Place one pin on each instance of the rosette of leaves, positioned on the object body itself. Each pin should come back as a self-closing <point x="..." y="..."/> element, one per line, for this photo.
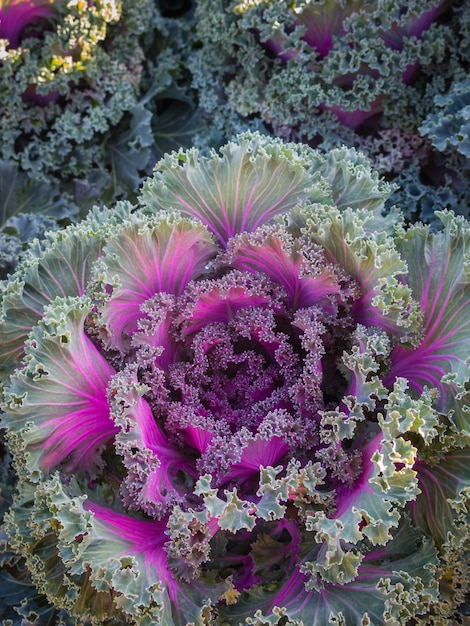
<point x="328" y="72"/>
<point x="243" y="400"/>
<point x="86" y="90"/>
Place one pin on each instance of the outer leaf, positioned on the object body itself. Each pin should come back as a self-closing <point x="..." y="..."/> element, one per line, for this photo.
<point x="405" y="414"/>
<point x="413" y="25"/>
<point x="101" y="564"/>
<point x="62" y="269"/>
<point x="373" y="504"/>
<point x="146" y="256"/>
<point x="129" y="151"/>
<point x="78" y="561"/>
<point x="128" y="556"/>
<point x="255" y="179"/>
<point x="19" y="194"/>
<point x="176" y="126"/>
<point x="440" y="485"/>
<point x="57" y="412"/>
<point x="373" y="260"/>
<point x="439" y="277"/>
<point x="387" y="579"/>
<point x="369" y="508"/>
<point x="353" y="183"/>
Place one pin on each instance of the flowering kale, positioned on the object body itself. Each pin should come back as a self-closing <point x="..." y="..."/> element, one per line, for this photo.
<point x="329" y="72"/>
<point x="289" y="62"/>
<point x="91" y="96"/>
<point x="244" y="400"/>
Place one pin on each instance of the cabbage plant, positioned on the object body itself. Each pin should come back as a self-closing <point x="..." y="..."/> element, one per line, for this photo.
<point x="373" y="75"/>
<point x="243" y="400"/>
<point x="92" y="93"/>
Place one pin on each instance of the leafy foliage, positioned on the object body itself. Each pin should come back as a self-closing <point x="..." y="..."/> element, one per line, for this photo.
<point x="324" y="72"/>
<point x="241" y="401"/>
<point x="86" y="94"/>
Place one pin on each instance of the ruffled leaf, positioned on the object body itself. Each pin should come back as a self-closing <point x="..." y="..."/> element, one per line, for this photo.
<point x="439" y="277"/>
<point x="373" y="260"/>
<point x="146" y="256"/>
<point x="57" y="411"/>
<point x="387" y="581"/>
<point x="155" y="466"/>
<point x="100" y="563"/>
<point x="211" y="301"/>
<point x="154" y="338"/>
<point x="129" y="557"/>
<point x="287" y="262"/>
<point x="405" y="414"/>
<point x="254" y="180"/>
<point x="440" y="485"/>
<point x="62" y="269"/>
<point x="413" y="24"/>
<point x="371" y="507"/>
<point x="257" y="452"/>
<point x="352" y="183"/>
<point x="323" y="23"/>
<point x="448" y="125"/>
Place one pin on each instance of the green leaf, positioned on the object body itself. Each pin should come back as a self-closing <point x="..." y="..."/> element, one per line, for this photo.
<point x="441" y="485"/>
<point x="56" y="408"/>
<point x="60" y="268"/>
<point x="253" y="181"/>
<point x="176" y="127"/>
<point x="129" y="151"/>
<point x="21" y="194"/>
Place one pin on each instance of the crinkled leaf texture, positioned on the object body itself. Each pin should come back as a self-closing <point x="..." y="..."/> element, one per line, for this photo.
<point x="449" y="125"/>
<point x="59" y="267"/>
<point x="252" y="182"/>
<point x="242" y="401"/>
<point x="309" y="69"/>
<point x="148" y="256"/>
<point x="64" y="385"/>
<point x="438" y="275"/>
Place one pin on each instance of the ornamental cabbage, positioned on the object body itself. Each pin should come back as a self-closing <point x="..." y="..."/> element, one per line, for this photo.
<point x="299" y="65"/>
<point x="91" y="96"/>
<point x="243" y="400"/>
<point x="375" y="76"/>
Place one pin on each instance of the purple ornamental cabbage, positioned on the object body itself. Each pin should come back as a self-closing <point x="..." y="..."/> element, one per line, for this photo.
<point x="323" y="26"/>
<point x="244" y="400"/>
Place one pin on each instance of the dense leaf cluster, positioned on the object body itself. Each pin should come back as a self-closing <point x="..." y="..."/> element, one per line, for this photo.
<point x="242" y="400"/>
<point x="94" y="93"/>
<point x="235" y="385"/>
